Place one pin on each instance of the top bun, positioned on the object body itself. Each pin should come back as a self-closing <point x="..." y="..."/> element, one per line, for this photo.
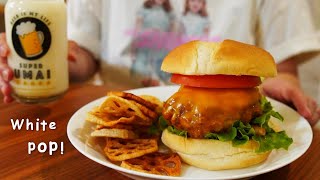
<point x="228" y="57"/>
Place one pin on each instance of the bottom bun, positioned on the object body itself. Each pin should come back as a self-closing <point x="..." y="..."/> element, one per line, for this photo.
<point x="213" y="154"/>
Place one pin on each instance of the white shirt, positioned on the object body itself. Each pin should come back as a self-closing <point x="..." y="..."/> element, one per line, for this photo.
<point x="309" y="71"/>
<point x="284" y="28"/>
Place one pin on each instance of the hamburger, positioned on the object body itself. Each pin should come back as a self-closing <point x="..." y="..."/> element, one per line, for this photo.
<point x="218" y="119"/>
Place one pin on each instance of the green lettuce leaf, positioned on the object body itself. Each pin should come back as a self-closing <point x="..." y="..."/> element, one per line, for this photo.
<point x="177" y="131"/>
<point x="276" y="115"/>
<point x="240" y="140"/>
<point x="268" y="111"/>
<point x="244" y="132"/>
<point x="275" y="140"/>
<point x="261" y="119"/>
<point x="265" y="105"/>
<point x="163" y="124"/>
<point x="240" y="132"/>
<point x="225" y="136"/>
<point x="158" y="127"/>
<point x="272" y="139"/>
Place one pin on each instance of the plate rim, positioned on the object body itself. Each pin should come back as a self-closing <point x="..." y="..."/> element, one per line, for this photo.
<point x="147" y="175"/>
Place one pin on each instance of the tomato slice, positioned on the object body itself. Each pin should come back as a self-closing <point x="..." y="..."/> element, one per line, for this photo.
<point x="216" y="81"/>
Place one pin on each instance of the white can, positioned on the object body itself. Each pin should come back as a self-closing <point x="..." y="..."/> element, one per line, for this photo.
<point x="36" y="32"/>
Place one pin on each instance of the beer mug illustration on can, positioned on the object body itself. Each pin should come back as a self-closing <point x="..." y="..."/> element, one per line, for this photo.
<point x="30" y="39"/>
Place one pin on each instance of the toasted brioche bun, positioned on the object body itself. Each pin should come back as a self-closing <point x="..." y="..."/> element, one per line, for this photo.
<point x="213" y="154"/>
<point x="228" y="58"/>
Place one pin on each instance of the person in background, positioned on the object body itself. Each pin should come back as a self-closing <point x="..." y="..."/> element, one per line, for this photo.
<point x="284" y="28"/>
<point x="153" y="20"/>
<point x="309" y="76"/>
<point x="195" y="23"/>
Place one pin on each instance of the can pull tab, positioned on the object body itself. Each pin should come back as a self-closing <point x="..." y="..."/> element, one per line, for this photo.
<point x="41" y="36"/>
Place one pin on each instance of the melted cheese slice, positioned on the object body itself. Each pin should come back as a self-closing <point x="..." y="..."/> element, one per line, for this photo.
<point x="227" y="99"/>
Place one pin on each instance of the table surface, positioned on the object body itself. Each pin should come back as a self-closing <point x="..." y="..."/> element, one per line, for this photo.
<point x="16" y="163"/>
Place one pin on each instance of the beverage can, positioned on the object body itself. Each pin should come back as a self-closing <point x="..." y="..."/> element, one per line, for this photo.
<point x="36" y="33"/>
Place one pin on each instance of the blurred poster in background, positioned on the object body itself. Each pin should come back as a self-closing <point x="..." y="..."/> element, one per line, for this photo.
<point x="155" y="28"/>
<point x="136" y="35"/>
<point x="131" y="38"/>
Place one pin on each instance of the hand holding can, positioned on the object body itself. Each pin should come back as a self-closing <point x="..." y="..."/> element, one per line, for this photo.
<point x="6" y="73"/>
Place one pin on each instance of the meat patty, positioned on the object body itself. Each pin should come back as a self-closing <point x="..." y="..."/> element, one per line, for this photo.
<point x="200" y="111"/>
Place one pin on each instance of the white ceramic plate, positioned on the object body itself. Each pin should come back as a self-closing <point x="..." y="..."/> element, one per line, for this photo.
<point x="295" y="125"/>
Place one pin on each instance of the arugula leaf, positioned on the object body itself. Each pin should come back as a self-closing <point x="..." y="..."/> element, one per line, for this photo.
<point x="275" y="140"/>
